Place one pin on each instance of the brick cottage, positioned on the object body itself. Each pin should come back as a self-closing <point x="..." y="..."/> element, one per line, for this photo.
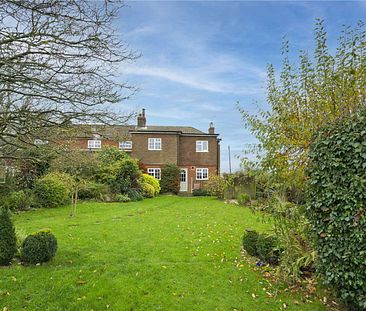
<point x="196" y="153"/>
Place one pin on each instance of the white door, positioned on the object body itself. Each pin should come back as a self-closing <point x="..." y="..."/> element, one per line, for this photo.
<point x="183" y="179"/>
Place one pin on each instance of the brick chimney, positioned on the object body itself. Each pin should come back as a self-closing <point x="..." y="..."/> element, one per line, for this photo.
<point x="211" y="129"/>
<point x="141" y="119"/>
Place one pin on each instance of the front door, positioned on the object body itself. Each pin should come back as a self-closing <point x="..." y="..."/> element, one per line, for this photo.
<point x="183" y="179"/>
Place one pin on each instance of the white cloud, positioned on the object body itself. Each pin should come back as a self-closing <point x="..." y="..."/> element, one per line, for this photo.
<point x="194" y="79"/>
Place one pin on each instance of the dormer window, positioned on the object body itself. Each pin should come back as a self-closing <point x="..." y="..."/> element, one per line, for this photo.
<point x="154" y="143"/>
<point x="94" y="144"/>
<point x="201" y="146"/>
<point x="125" y="144"/>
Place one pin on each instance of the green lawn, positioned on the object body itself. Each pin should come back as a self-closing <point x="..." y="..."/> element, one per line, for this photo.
<point x="168" y="253"/>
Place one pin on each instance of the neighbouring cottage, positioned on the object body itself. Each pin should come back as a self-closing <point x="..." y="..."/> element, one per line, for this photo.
<point x="196" y="153"/>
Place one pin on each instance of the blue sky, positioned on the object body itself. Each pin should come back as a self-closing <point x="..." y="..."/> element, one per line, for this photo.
<point x="201" y="57"/>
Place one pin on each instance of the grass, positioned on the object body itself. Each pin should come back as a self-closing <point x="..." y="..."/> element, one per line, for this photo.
<point x="167" y="253"/>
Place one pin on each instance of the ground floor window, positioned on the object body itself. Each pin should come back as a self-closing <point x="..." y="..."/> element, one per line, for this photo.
<point x="94" y="144"/>
<point x="202" y="173"/>
<point x="154" y="172"/>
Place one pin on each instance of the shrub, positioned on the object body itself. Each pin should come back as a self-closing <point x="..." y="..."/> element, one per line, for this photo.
<point x="8" y="242"/>
<point x="169" y="182"/>
<point x="336" y="207"/>
<point x="134" y="195"/>
<point x="250" y="239"/>
<point x="267" y="249"/>
<point x="34" y="162"/>
<point x="19" y="200"/>
<point x="216" y="186"/>
<point x="202" y="192"/>
<point x="262" y="246"/>
<point x="292" y="231"/>
<point x="39" y="247"/>
<point x="110" y="155"/>
<point x="20" y="237"/>
<point x="151" y="181"/>
<point x="243" y="199"/>
<point x="93" y="190"/>
<point x="122" y="198"/>
<point x="52" y="189"/>
<point x="128" y="177"/>
<point x="147" y="190"/>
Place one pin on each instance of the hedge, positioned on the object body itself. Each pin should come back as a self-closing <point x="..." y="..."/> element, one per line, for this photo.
<point x="336" y="207"/>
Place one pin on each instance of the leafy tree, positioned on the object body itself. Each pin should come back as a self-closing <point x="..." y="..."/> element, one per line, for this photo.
<point x="170" y="179"/>
<point x="81" y="167"/>
<point x="57" y="65"/>
<point x="319" y="89"/>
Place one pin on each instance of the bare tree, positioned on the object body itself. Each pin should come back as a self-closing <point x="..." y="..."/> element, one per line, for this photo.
<point x="58" y="65"/>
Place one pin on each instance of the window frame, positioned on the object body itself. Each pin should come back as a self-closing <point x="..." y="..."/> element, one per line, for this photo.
<point x="92" y="145"/>
<point x="40" y="142"/>
<point x="201" y="170"/>
<point x="200" y="144"/>
<point x="152" y="143"/>
<point x="121" y="147"/>
<point x="152" y="172"/>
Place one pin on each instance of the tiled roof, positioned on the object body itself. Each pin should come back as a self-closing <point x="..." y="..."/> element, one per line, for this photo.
<point x="183" y="129"/>
<point x="122" y="131"/>
<point x="105" y="131"/>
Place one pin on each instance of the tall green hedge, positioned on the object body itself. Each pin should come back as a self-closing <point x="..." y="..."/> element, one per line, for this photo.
<point x="337" y="207"/>
<point x="8" y="242"/>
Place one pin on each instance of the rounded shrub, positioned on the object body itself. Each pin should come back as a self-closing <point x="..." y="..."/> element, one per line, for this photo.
<point x="39" y="247"/>
<point x="336" y="207"/>
<point x="8" y="241"/>
<point x="52" y="190"/>
<point x="147" y="179"/>
<point x="147" y="190"/>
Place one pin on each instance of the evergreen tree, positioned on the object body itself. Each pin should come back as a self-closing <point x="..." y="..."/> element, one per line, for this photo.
<point x="8" y="244"/>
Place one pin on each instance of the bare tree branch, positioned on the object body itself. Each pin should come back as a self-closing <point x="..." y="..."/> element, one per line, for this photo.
<point x="58" y="65"/>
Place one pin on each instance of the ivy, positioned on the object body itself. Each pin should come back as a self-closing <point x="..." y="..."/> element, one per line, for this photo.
<point x="337" y="207"/>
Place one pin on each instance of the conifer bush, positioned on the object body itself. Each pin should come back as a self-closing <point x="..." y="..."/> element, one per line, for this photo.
<point x="336" y="207"/>
<point x="8" y="241"/>
<point x="39" y="247"/>
<point x="169" y="182"/>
